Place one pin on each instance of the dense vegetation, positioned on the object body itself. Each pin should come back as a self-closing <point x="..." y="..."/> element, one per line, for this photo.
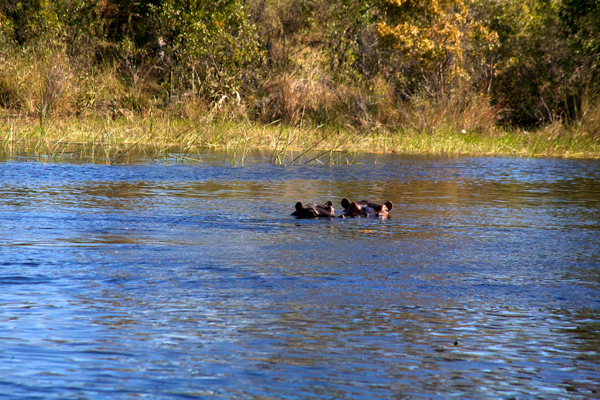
<point x="374" y="66"/>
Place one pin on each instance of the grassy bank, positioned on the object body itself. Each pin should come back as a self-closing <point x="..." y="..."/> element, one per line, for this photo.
<point x="108" y="77"/>
<point x="110" y="139"/>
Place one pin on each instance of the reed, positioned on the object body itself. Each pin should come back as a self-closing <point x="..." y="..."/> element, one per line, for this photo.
<point x="110" y="140"/>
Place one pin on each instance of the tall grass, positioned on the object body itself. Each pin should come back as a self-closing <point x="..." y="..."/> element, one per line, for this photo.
<point x="112" y="141"/>
<point x="52" y="108"/>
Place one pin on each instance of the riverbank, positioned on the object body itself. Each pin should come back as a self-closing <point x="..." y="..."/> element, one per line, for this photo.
<point x="96" y="136"/>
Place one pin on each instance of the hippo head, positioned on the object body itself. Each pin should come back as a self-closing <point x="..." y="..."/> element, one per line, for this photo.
<point x="366" y="208"/>
<point x="312" y="210"/>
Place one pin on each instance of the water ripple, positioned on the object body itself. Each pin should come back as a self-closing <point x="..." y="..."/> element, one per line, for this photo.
<point x="178" y="281"/>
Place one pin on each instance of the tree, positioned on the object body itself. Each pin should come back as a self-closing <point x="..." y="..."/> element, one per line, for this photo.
<point x="426" y="43"/>
<point x="211" y="48"/>
<point x="581" y="23"/>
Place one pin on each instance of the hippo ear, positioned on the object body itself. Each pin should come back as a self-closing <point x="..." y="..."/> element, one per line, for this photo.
<point x="345" y="203"/>
<point x="329" y="204"/>
<point x="389" y="205"/>
<point x="299" y="206"/>
<point x="354" y="206"/>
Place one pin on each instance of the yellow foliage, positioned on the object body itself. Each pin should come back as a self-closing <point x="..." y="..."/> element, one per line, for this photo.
<point x="433" y="34"/>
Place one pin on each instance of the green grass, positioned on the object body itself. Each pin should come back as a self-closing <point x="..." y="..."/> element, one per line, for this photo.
<point x="108" y="140"/>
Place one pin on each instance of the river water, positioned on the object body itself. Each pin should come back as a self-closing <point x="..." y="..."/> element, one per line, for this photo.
<point x="167" y="280"/>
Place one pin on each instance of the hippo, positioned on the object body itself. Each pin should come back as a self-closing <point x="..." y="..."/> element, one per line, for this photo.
<point x="312" y="210"/>
<point x="366" y="208"/>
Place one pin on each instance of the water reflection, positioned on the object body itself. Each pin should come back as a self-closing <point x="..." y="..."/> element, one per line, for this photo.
<point x="180" y="280"/>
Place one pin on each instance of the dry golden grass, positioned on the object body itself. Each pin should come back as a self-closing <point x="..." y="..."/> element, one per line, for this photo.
<point x="49" y="104"/>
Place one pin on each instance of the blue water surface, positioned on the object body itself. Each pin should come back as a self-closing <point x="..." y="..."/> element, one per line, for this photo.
<point x="169" y="280"/>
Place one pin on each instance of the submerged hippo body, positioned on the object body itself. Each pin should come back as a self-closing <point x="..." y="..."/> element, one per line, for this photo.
<point x="312" y="210"/>
<point x="366" y="208"/>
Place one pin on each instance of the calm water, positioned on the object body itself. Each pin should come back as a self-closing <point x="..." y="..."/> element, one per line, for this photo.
<point x="163" y="280"/>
